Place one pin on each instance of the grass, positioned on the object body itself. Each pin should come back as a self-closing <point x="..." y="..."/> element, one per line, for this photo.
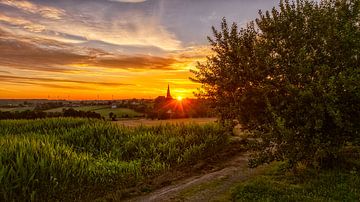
<point x="69" y="159"/>
<point x="14" y="109"/>
<point x="103" y="110"/>
<point x="310" y="185"/>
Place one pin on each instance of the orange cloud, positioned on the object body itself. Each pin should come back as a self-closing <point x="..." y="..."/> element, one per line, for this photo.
<point x="49" y="55"/>
<point x="26" y="24"/>
<point x="44" y="11"/>
<point x="20" y="78"/>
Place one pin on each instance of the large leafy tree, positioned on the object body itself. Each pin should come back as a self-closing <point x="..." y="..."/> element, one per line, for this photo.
<point x="292" y="77"/>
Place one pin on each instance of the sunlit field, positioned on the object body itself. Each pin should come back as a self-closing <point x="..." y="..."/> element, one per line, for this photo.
<point x="148" y="122"/>
<point x="18" y="109"/>
<point x="103" y="111"/>
<point x="67" y="159"/>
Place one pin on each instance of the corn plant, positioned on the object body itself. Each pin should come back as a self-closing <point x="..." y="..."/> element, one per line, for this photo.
<point x="66" y="158"/>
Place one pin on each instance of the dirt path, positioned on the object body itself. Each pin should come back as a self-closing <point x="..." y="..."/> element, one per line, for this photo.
<point x="212" y="186"/>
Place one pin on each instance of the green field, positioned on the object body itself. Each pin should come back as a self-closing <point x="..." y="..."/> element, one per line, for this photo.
<point x="149" y="122"/>
<point x="14" y="109"/>
<point x="81" y="159"/>
<point x="104" y="111"/>
<point x="279" y="184"/>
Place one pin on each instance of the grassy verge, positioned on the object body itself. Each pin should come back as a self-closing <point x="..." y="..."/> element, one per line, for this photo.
<point x="68" y="159"/>
<point x="339" y="184"/>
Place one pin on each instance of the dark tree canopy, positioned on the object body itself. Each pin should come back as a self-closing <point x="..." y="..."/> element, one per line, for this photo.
<point x="292" y="77"/>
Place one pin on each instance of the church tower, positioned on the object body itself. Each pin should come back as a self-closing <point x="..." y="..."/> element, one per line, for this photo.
<point x="168" y="95"/>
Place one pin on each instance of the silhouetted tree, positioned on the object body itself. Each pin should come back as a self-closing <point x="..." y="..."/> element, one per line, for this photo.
<point x="111" y="114"/>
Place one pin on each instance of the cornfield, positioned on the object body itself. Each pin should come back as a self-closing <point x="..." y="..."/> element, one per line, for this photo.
<point x="66" y="158"/>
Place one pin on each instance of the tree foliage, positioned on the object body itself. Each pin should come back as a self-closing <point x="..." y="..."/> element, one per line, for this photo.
<point x="292" y="77"/>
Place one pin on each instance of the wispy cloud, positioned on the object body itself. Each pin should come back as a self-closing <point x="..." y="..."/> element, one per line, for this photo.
<point x="193" y="53"/>
<point x="58" y="83"/>
<point x="49" y="55"/>
<point x="4" y="72"/>
<point x="21" y="78"/>
<point x="92" y="22"/>
<point x="27" y="6"/>
<point x="124" y="28"/>
<point x="19" y="22"/>
<point x="47" y="85"/>
<point x="135" y="62"/>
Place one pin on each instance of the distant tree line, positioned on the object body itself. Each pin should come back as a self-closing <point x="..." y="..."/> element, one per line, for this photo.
<point x="34" y="114"/>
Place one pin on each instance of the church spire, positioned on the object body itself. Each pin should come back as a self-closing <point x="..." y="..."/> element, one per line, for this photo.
<point x="168" y="95"/>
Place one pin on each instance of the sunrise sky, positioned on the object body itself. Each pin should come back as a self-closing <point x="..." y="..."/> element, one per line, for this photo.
<point x="80" y="49"/>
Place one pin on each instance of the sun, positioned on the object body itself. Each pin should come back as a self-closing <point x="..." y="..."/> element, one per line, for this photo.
<point x="179" y="98"/>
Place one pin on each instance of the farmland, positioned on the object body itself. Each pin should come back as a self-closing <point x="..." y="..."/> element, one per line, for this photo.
<point x="84" y="158"/>
<point x="104" y="111"/>
<point x="13" y="109"/>
<point x="148" y="122"/>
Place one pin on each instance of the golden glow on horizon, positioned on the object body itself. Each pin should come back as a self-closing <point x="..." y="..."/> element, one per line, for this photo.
<point x="179" y="98"/>
<point x="86" y="83"/>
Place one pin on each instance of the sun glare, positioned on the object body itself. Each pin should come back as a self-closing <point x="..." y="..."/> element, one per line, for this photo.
<point x="179" y="98"/>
